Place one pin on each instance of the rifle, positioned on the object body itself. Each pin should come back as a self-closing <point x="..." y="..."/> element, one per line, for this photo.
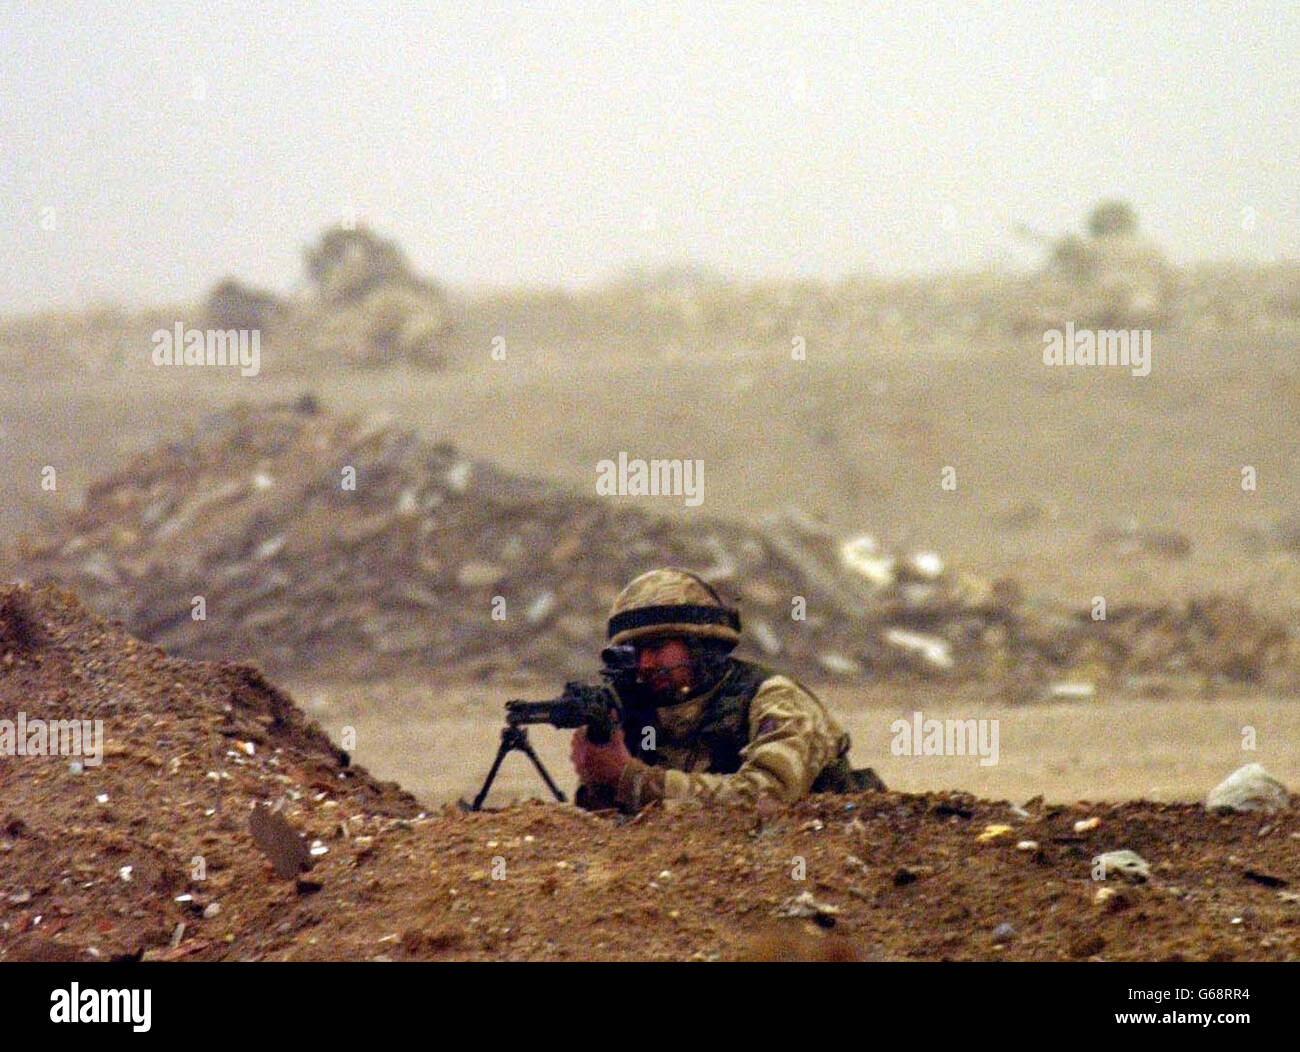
<point x="594" y="706"/>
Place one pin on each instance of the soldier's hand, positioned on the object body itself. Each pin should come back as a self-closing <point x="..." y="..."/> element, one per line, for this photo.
<point x="598" y="764"/>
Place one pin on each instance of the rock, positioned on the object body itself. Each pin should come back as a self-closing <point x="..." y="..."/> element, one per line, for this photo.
<point x="279" y="841"/>
<point x="862" y="556"/>
<point x="1249" y="788"/>
<point x="458" y="476"/>
<point x="1128" y="864"/>
<point x="804" y="905"/>
<point x="540" y="608"/>
<point x="1004" y="932"/>
<point x="1085" y="825"/>
<point x="1111" y="899"/>
<point x="922" y="566"/>
<point x="1072" y="691"/>
<point x="479" y="575"/>
<point x="929" y="651"/>
<point x="838" y="664"/>
<point x="993" y="832"/>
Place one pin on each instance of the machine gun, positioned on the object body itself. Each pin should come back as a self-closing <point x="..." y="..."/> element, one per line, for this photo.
<point x="594" y="706"/>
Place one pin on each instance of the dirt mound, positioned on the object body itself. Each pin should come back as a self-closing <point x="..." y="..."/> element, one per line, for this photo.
<point x="866" y="877"/>
<point x="150" y="853"/>
<point x="126" y="778"/>
<point x="334" y="545"/>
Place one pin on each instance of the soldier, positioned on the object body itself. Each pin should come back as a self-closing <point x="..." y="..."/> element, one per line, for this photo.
<point x="699" y="723"/>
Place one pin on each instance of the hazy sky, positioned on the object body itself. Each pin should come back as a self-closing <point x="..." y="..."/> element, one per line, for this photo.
<point x="557" y="143"/>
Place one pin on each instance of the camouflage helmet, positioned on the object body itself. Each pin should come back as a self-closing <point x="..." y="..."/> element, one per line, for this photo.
<point x="671" y="602"/>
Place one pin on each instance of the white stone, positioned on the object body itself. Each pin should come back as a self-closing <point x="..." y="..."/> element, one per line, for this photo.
<point x="1249" y="788"/>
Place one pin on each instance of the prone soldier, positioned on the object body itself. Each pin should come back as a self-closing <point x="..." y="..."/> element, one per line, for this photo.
<point x="699" y="723"/>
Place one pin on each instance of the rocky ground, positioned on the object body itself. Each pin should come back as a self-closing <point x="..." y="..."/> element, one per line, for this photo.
<point x="151" y="853"/>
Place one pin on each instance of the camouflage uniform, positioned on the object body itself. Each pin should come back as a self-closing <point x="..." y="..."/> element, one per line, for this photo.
<point x="754" y="733"/>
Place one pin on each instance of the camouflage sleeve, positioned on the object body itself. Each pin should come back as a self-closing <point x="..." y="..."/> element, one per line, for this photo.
<point x="791" y="738"/>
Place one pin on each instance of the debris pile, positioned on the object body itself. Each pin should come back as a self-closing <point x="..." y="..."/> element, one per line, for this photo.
<point x="341" y="546"/>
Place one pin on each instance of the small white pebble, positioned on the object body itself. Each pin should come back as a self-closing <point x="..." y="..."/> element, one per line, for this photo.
<point x="102" y="798"/>
<point x="1085" y="824"/>
<point x="125" y="873"/>
<point x="317" y="848"/>
<point x="211" y="910"/>
<point x="1027" y="845"/>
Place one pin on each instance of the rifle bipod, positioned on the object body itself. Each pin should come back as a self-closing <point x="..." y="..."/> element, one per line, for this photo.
<point x="513" y="738"/>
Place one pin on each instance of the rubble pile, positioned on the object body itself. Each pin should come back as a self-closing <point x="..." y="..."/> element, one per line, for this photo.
<point x="330" y="545"/>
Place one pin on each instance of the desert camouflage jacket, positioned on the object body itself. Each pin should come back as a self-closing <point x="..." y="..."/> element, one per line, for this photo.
<point x="756" y="733"/>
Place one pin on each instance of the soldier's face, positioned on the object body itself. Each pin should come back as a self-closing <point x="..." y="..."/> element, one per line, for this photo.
<point x="664" y="665"/>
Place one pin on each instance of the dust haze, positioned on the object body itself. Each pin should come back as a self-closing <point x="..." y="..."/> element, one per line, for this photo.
<point x="558" y="148"/>
<point x="980" y="322"/>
